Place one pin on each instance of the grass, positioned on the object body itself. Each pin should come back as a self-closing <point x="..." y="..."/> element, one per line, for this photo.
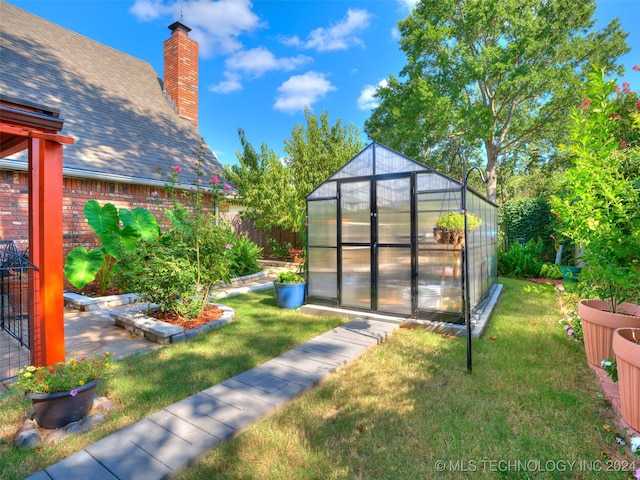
<point x="530" y="408"/>
<point x="394" y="413"/>
<point x="143" y="384"/>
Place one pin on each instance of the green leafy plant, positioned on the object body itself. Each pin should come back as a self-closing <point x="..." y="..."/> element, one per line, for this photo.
<point x="63" y="376"/>
<point x="551" y="270"/>
<point x="600" y="209"/>
<point x="289" y="277"/>
<point x="455" y="221"/>
<point x="83" y="266"/>
<point x="610" y="366"/>
<point x="522" y="260"/>
<point x="243" y="256"/>
<point x="280" y="249"/>
<point x="179" y="270"/>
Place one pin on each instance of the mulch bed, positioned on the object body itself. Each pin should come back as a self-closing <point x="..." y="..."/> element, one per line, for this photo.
<point x="209" y="314"/>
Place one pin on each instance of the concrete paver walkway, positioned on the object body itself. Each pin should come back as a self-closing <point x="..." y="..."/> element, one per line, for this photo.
<point x="171" y="439"/>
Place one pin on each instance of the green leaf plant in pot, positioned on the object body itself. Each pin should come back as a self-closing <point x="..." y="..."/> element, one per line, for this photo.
<point x="599" y="211"/>
<point x="290" y="289"/>
<point x="449" y="228"/>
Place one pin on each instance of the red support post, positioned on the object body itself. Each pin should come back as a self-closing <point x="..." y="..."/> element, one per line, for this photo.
<point x="46" y="250"/>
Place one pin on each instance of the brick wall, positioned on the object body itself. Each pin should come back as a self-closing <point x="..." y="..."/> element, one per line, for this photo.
<point x="14" y="206"/>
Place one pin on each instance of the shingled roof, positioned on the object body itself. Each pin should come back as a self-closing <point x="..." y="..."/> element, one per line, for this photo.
<point x="112" y="103"/>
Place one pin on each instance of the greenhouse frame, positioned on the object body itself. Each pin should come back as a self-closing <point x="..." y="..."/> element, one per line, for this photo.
<point x="371" y="244"/>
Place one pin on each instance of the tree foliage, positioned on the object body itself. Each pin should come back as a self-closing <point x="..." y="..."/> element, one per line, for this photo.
<point x="500" y="75"/>
<point x="273" y="190"/>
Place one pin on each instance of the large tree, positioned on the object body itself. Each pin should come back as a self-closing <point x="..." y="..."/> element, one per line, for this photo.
<point x="501" y="75"/>
<point x="273" y="190"/>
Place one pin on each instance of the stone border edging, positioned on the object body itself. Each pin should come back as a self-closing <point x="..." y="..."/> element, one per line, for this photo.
<point x="164" y="333"/>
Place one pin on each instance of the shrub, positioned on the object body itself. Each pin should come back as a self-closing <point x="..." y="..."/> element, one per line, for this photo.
<point x="599" y="209"/>
<point x="551" y="270"/>
<point x="528" y="218"/>
<point x="243" y="256"/>
<point x="522" y="260"/>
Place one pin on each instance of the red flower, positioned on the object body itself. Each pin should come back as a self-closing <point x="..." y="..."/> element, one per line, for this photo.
<point x="585" y="103"/>
<point x="623" y="144"/>
<point x="636" y="68"/>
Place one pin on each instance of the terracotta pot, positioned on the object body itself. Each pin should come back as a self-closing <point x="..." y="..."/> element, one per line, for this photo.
<point x="598" y="325"/>
<point x="627" y="351"/>
<point x="55" y="410"/>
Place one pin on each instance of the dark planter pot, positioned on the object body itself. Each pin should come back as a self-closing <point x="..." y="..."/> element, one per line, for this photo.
<point x="55" y="410"/>
<point x="290" y="295"/>
<point x="570" y="274"/>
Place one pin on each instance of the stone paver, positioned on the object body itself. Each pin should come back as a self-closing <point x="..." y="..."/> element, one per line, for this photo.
<point x="169" y="440"/>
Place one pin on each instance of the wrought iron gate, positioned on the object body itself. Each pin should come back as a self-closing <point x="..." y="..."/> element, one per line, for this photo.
<point x="17" y="308"/>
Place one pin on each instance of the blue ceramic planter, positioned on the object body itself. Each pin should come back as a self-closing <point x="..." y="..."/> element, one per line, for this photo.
<point x="290" y="295"/>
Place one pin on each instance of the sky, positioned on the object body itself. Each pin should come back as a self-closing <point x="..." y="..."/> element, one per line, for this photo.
<point x="262" y="61"/>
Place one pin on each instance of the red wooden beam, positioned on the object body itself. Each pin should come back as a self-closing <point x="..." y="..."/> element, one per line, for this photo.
<point x="46" y="252"/>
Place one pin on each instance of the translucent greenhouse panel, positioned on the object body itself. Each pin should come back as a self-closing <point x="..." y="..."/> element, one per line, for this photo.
<point x="356" y="277"/>
<point x="388" y="161"/>
<point x="440" y="280"/>
<point x="360" y="166"/>
<point x="322" y="223"/>
<point x="394" y="211"/>
<point x="326" y="190"/>
<point x="394" y="279"/>
<point x="323" y="272"/>
<point x="356" y="212"/>
<point x="433" y="181"/>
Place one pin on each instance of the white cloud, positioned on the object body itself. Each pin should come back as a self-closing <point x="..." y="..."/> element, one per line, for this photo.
<point x="257" y="61"/>
<point x="215" y="25"/>
<point x="302" y="90"/>
<point x="366" y="100"/>
<point x="147" y="10"/>
<point x="231" y="84"/>
<point x="339" y="36"/>
<point x="408" y="4"/>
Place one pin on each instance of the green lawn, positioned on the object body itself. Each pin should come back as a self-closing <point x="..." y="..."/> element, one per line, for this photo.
<point x="530" y="408"/>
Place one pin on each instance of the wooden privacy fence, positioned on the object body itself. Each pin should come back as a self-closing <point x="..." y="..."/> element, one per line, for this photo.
<point x="282" y="236"/>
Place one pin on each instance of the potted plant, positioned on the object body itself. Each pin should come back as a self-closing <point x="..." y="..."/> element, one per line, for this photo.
<point x="449" y="228"/>
<point x="63" y="393"/>
<point x="626" y="347"/>
<point x="290" y="289"/>
<point x="599" y="212"/>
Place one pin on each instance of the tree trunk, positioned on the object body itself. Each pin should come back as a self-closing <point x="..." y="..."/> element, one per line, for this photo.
<point x="492" y="171"/>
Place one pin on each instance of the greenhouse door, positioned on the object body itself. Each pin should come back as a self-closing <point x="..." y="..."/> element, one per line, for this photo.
<point x="375" y="248"/>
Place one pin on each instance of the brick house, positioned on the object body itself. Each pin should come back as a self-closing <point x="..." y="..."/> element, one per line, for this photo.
<point x="126" y="122"/>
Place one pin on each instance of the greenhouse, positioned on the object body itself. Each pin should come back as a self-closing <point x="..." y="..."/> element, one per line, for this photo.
<point x="373" y="245"/>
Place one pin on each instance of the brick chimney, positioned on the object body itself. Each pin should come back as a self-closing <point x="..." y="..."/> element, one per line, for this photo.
<point x="181" y="71"/>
